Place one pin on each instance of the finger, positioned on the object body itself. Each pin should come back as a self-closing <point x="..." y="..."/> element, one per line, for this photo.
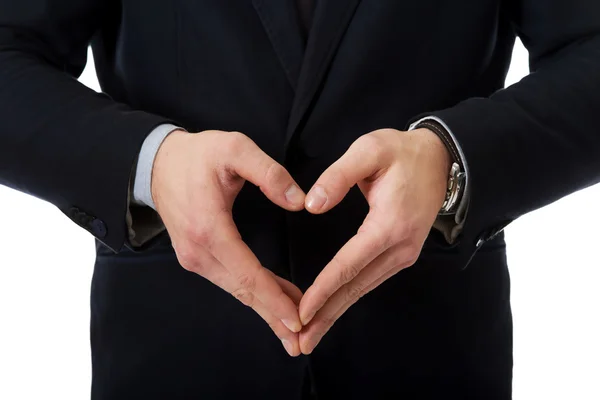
<point x="371" y="241"/>
<point x="381" y="269"/>
<point x="377" y="282"/>
<point x="288" y="288"/>
<point x="358" y="163"/>
<point x="220" y="237"/>
<point x="311" y="335"/>
<point x="344" y="297"/>
<point x="255" y="166"/>
<point x="252" y="280"/>
<point x="289" y="339"/>
<point x="204" y="264"/>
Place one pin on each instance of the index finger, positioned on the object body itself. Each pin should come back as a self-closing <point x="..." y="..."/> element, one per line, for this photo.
<point x="252" y="279"/>
<point x="255" y="166"/>
<point x="350" y="260"/>
<point x="357" y="164"/>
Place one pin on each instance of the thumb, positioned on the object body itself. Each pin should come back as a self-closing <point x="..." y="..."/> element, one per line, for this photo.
<point x="357" y="164"/>
<point x="255" y="166"/>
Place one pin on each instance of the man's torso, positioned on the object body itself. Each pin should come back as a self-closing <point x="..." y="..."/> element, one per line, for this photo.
<point x="432" y="330"/>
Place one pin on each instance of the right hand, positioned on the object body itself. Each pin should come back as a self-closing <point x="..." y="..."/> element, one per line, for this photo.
<point x="195" y="180"/>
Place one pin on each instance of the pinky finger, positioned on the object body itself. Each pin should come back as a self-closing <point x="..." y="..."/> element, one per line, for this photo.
<point x="368" y="289"/>
<point x="317" y="328"/>
<point x="288" y="338"/>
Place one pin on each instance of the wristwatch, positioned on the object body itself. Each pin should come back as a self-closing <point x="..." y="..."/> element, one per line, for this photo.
<point x="454" y="190"/>
<point x="456" y="177"/>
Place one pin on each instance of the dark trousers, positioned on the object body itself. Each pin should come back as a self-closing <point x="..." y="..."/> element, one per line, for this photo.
<point x="160" y="332"/>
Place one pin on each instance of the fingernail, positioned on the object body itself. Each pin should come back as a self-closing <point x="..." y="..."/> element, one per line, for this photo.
<point x="316" y="198"/>
<point x="306" y="320"/>
<point x="288" y="347"/>
<point x="294" y="195"/>
<point x="293" y="326"/>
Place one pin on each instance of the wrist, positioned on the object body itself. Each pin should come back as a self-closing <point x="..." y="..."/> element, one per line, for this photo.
<point x="165" y="153"/>
<point x="456" y="176"/>
<point x="440" y="154"/>
<point x="435" y="164"/>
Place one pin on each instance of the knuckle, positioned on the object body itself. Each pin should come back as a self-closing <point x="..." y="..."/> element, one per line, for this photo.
<point x="397" y="259"/>
<point x="327" y="322"/>
<point x="200" y="234"/>
<point x="413" y="252"/>
<point x="372" y="143"/>
<point x="247" y="282"/>
<point x="407" y="256"/>
<point x="201" y="231"/>
<point x="354" y="293"/>
<point x="186" y="258"/>
<point x="235" y="142"/>
<point x="381" y="234"/>
<point x="382" y="239"/>
<point x="231" y="146"/>
<point x="275" y="173"/>
<point x="348" y="271"/>
<point x="339" y="180"/>
<point x="244" y="296"/>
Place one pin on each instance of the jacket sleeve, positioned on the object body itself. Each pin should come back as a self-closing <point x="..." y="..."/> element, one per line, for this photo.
<point x="59" y="140"/>
<point x="538" y="140"/>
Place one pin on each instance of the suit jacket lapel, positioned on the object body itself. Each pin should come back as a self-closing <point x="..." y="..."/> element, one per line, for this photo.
<point x="280" y="19"/>
<point x="331" y="19"/>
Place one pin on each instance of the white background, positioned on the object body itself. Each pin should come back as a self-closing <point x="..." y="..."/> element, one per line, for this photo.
<point x="46" y="267"/>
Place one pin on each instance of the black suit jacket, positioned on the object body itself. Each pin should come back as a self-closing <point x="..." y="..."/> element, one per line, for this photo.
<point x="242" y="65"/>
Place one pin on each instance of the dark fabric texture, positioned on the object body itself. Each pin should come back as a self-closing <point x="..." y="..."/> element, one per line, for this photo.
<point x="441" y="329"/>
<point x="305" y="12"/>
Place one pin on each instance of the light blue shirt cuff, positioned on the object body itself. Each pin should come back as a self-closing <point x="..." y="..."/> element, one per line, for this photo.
<point x="142" y="187"/>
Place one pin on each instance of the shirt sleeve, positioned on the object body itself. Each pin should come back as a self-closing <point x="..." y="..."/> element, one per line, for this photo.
<point x="143" y="222"/>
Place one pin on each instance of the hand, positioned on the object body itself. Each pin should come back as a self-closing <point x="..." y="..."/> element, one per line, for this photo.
<point x="403" y="176"/>
<point x="195" y="180"/>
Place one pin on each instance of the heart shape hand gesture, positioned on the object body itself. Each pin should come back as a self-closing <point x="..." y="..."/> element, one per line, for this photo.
<point x="197" y="177"/>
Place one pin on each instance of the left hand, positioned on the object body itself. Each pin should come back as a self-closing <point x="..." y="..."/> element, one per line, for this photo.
<point x="403" y="176"/>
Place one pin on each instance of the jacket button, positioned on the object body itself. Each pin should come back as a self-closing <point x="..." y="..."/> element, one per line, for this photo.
<point x="98" y="228"/>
